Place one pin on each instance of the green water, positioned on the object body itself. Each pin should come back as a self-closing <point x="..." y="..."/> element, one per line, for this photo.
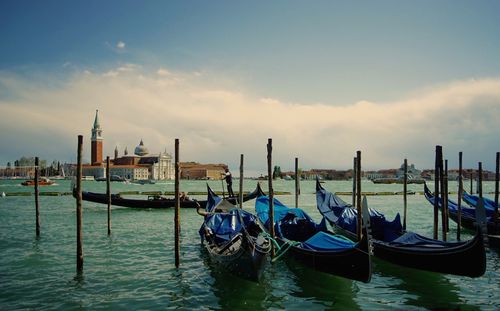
<point x="134" y="267"/>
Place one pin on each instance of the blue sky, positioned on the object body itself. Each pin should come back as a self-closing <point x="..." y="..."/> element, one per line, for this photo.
<point x="333" y="54"/>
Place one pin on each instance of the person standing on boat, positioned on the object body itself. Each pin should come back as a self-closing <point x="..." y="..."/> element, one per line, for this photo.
<point x="229" y="181"/>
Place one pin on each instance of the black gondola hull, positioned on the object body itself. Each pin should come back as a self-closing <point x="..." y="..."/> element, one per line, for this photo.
<point x="154" y="203"/>
<point x="247" y="262"/>
<point x="354" y="264"/>
<point x="448" y="260"/>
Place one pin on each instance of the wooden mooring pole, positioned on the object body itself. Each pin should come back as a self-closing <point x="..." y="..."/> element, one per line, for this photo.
<point x="438" y="156"/>
<point x="271" y="192"/>
<point x="297" y="181"/>
<point x="79" y="220"/>
<point x="108" y="192"/>
<point x="495" y="215"/>
<point x="460" y="193"/>
<point x="177" y="223"/>
<point x="240" y="195"/>
<point x="446" y="194"/>
<point x="471" y="182"/>
<point x="354" y="177"/>
<point x="37" y="194"/>
<point x="405" y="190"/>
<point x="480" y="180"/>
<point x="358" y="194"/>
<point x="443" y="199"/>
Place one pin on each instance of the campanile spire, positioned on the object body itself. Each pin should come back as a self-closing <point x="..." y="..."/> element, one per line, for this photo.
<point x="96" y="141"/>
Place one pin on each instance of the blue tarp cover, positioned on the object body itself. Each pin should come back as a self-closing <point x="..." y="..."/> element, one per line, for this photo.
<point x="342" y="215"/>
<point x="414" y="239"/>
<point x="489" y="205"/>
<point x="323" y="241"/>
<point x="280" y="210"/>
<point x="453" y="207"/>
<point x="226" y="225"/>
<point x="296" y="225"/>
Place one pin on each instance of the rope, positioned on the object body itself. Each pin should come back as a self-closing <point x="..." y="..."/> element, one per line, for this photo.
<point x="281" y="250"/>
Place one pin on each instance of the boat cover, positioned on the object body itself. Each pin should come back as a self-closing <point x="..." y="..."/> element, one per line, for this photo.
<point x="226" y="224"/>
<point x="489" y="205"/>
<point x="453" y="207"/>
<point x="296" y="225"/>
<point x="414" y="239"/>
<point x="337" y="211"/>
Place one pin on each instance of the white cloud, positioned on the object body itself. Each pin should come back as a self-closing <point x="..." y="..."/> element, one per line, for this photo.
<point x="120" y="45"/>
<point x="218" y="124"/>
<point x="162" y="72"/>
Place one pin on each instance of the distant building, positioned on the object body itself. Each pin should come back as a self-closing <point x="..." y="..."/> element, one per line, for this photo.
<point x="194" y="170"/>
<point x="96" y="142"/>
<point x="413" y="173"/>
<point x="139" y="166"/>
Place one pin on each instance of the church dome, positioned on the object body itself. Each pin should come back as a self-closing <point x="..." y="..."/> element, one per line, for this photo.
<point x="141" y="150"/>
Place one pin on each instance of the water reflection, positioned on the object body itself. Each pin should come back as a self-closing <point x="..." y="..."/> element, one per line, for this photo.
<point x="417" y="288"/>
<point x="235" y="293"/>
<point x="331" y="292"/>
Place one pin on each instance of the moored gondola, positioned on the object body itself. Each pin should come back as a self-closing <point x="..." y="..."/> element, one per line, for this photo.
<point x="468" y="215"/>
<point x="157" y="201"/>
<point x="407" y="249"/>
<point x="234" y="238"/>
<point x="311" y="244"/>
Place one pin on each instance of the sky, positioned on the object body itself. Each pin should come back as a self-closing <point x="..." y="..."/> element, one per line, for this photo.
<point x="323" y="79"/>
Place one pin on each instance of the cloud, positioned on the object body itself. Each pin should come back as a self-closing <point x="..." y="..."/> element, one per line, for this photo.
<point x="162" y="72"/>
<point x="217" y="124"/>
<point x="120" y="45"/>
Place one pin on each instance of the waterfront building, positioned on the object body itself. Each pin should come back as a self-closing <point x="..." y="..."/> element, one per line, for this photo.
<point x="140" y="166"/>
<point x="194" y="170"/>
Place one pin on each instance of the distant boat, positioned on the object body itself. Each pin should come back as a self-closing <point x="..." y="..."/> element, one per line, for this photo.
<point x="41" y="182"/>
<point x="398" y="180"/>
<point x="144" y="181"/>
<point x="156" y="201"/>
<point x="112" y="178"/>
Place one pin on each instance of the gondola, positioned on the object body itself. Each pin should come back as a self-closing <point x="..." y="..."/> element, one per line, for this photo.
<point x="406" y="249"/>
<point x="468" y="215"/>
<point x="311" y="244"/>
<point x="489" y="205"/>
<point x="234" y="238"/>
<point x="156" y="201"/>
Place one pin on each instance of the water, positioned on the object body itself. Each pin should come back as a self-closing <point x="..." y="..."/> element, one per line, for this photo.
<point x="134" y="267"/>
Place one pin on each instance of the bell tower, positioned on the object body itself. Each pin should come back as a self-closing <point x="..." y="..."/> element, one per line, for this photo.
<point x="96" y="141"/>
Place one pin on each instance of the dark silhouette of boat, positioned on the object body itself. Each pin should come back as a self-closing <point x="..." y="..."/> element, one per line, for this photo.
<point x="157" y="201"/>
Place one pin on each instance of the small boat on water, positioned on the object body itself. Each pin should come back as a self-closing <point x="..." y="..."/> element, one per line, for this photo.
<point x="157" y="201"/>
<point x="407" y="249"/>
<point x="313" y="245"/>
<point x="144" y="181"/>
<point x="41" y="182"/>
<point x="112" y="178"/>
<point x="397" y="180"/>
<point x="233" y="237"/>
